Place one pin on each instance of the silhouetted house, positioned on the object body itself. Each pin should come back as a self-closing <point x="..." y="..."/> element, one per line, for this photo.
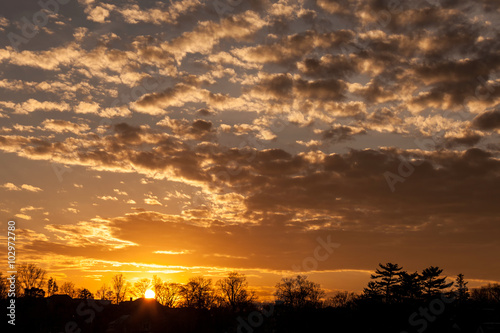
<point x="139" y="316"/>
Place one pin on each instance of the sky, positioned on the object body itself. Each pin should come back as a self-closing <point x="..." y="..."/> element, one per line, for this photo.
<point x="186" y="138"/>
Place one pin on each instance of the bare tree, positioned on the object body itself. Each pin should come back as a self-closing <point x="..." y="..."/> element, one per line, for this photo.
<point x="140" y="287"/>
<point x="104" y="293"/>
<point x="198" y="293"/>
<point x="299" y="292"/>
<point x="234" y="290"/>
<point x="489" y="293"/>
<point x="84" y="293"/>
<point x="166" y="293"/>
<point x="4" y="289"/>
<point x="341" y="299"/>
<point x="31" y="276"/>
<point x="120" y="288"/>
<point x="68" y="288"/>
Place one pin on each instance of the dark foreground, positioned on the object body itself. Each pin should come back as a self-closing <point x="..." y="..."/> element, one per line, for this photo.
<point x="63" y="314"/>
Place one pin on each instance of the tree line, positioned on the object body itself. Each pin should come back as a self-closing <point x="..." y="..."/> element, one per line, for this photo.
<point x="390" y="284"/>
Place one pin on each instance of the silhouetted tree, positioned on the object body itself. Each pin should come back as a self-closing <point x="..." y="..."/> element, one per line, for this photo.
<point x="52" y="287"/>
<point x="68" y="288"/>
<point x="104" y="293"/>
<point x="389" y="278"/>
<point x="34" y="292"/>
<point x="409" y="286"/>
<point x="462" y="291"/>
<point x="166" y="293"/>
<point x="234" y="291"/>
<point x="120" y="288"/>
<point x="299" y="292"/>
<point x="198" y="293"/>
<point x="30" y="276"/>
<point x="373" y="291"/>
<point x="486" y="294"/>
<point x="341" y="299"/>
<point x="84" y="293"/>
<point x="4" y="288"/>
<point x="432" y="283"/>
<point x="140" y="287"/>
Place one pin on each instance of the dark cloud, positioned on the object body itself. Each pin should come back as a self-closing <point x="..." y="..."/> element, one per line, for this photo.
<point x="278" y="86"/>
<point x="341" y="133"/>
<point x="205" y="112"/>
<point x="323" y="89"/>
<point x="328" y="66"/>
<point x="468" y="139"/>
<point x="488" y="120"/>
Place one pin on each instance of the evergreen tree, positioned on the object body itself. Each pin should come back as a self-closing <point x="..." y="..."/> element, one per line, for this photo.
<point x="52" y="287"/>
<point x="462" y="291"/>
<point x="409" y="286"/>
<point x="373" y="291"/>
<point x="389" y="278"/>
<point x="432" y="283"/>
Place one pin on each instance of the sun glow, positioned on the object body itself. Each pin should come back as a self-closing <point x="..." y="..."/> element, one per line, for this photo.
<point x="149" y="294"/>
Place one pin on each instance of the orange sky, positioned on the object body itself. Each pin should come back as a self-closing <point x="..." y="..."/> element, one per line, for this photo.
<point x="184" y="139"/>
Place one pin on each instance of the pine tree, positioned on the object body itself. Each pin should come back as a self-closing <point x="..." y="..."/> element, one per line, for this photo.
<point x="462" y="291"/>
<point x="432" y="284"/>
<point x="389" y="275"/>
<point x="373" y="291"/>
<point x="52" y="287"/>
<point x="410" y="286"/>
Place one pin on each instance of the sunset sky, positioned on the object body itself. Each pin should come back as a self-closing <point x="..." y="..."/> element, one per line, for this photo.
<point x="185" y="138"/>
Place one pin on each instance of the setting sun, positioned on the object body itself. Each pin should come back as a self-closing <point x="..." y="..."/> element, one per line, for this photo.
<point x="149" y="294"/>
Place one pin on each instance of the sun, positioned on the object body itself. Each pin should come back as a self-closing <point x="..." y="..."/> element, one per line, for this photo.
<point x="149" y="294"/>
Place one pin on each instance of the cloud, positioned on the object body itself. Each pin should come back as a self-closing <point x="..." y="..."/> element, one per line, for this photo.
<point x="207" y="34"/>
<point x="99" y="13"/>
<point x="10" y="187"/>
<point x="293" y="47"/>
<point x="32" y="105"/>
<point x="23" y="216"/>
<point x="107" y="198"/>
<point x="152" y="200"/>
<point x="85" y="108"/>
<point x="63" y="126"/>
<point x="173" y="252"/>
<point x="252" y="115"/>
<point x="117" y="191"/>
<point x="488" y="120"/>
<point x="31" y="188"/>
<point x="26" y="187"/>
<point x="342" y="133"/>
<point x="132" y="13"/>
<point x="4" y="22"/>
<point x="96" y="232"/>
